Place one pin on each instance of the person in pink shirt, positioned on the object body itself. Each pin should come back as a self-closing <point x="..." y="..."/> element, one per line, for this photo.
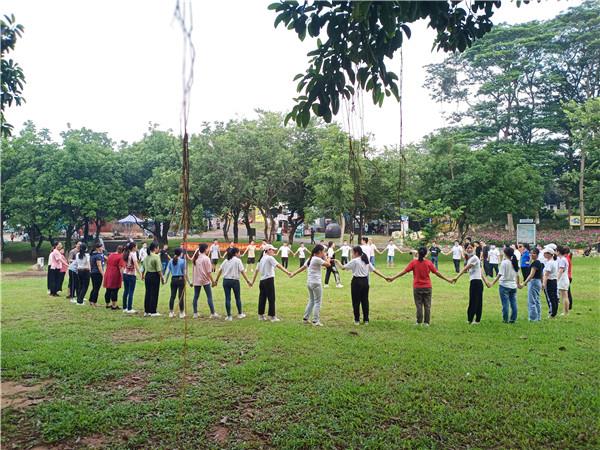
<point x="56" y="261"/>
<point x="202" y="278"/>
<point x="64" y="266"/>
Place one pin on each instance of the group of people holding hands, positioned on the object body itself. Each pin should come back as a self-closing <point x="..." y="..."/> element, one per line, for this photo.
<point x="547" y="270"/>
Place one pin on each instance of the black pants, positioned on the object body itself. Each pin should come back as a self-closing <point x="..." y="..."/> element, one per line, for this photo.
<point x="359" y="289"/>
<point x="570" y="296"/>
<point x="61" y="281"/>
<point x="152" y="282"/>
<point x="487" y="268"/>
<point x="456" y="265"/>
<point x="96" y="284"/>
<point x="493" y="268"/>
<point x="53" y="280"/>
<point x="302" y="261"/>
<point x="284" y="262"/>
<point x="525" y="271"/>
<point x="177" y="286"/>
<point x="111" y="295"/>
<point x="475" y="300"/>
<point x="344" y="260"/>
<point x="332" y="269"/>
<point x="83" y="277"/>
<point x="552" y="296"/>
<point x="73" y="284"/>
<point x="266" y="293"/>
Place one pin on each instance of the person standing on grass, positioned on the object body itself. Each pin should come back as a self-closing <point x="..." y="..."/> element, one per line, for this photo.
<point x="215" y="254"/>
<point x="152" y="277"/>
<point x="251" y="251"/>
<point x="129" y="276"/>
<point x="473" y="266"/>
<point x="202" y="278"/>
<point x="457" y="256"/>
<point x="177" y="270"/>
<point x="509" y="281"/>
<point x="366" y="248"/>
<point x="232" y="268"/>
<point x="64" y="266"/>
<point x="332" y="269"/>
<point x="435" y="252"/>
<point x="285" y="253"/>
<point x="374" y="251"/>
<point x="359" y="287"/>
<point x="143" y="252"/>
<point x="73" y="273"/>
<point x="82" y="263"/>
<point x="96" y="272"/>
<point x="421" y="268"/>
<point x="317" y="260"/>
<point x="164" y="257"/>
<point x="266" y="287"/>
<point x="312" y="235"/>
<point x="570" y="273"/>
<point x="54" y="265"/>
<point x="391" y="252"/>
<point x="113" y="278"/>
<point x="345" y="251"/>
<point x="525" y="260"/>
<point x="534" y="286"/>
<point x="301" y="252"/>
<point x="549" y="282"/>
<point x="563" y="279"/>
<point x="494" y="259"/>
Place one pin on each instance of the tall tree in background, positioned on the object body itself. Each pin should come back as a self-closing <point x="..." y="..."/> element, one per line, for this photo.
<point x="13" y="77"/>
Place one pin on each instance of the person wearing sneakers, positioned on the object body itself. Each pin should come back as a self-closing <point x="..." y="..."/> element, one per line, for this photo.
<point x="73" y="281"/>
<point x="359" y="286"/>
<point x="421" y="268"/>
<point x="391" y="252"/>
<point x="473" y="266"/>
<point x="202" y="278"/>
<point x="332" y="268"/>
<point x="251" y="251"/>
<point x="129" y="276"/>
<point x="285" y="253"/>
<point x="215" y="254"/>
<point x="97" y="262"/>
<point x="177" y="270"/>
<point x="562" y="278"/>
<point x="113" y="278"/>
<point x="345" y="250"/>
<point x="549" y="281"/>
<point x="152" y="277"/>
<point x="266" y="287"/>
<point x="314" y="264"/>
<point x="82" y="263"/>
<point x="232" y="268"/>
<point x="301" y="252"/>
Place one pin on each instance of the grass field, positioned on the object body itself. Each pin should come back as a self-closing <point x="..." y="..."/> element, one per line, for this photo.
<point x="82" y="377"/>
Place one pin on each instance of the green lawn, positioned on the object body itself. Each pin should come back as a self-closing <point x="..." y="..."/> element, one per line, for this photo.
<point x="100" y="379"/>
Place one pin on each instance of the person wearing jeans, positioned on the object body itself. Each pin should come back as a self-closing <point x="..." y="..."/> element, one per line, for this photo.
<point x="534" y="286"/>
<point x="232" y="269"/>
<point x="177" y="269"/>
<point x="202" y="278"/>
<point x="509" y="281"/>
<point x="508" y="297"/>
<point x="129" y="276"/>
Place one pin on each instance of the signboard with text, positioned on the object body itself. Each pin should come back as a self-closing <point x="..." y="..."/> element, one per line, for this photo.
<point x="589" y="221"/>
<point x="526" y="233"/>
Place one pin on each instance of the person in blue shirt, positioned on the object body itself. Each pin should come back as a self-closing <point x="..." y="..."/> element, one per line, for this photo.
<point x="177" y="270"/>
<point x="525" y="261"/>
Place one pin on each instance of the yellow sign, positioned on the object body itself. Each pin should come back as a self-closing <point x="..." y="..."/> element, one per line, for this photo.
<point x="589" y="221"/>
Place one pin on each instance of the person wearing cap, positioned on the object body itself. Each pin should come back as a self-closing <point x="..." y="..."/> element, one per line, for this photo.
<point x="549" y="282"/>
<point x="266" y="287"/>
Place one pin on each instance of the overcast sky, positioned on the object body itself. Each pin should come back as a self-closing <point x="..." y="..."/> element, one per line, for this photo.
<point x="115" y="65"/>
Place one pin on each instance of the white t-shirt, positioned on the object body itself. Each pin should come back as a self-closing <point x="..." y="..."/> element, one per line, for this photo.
<point x="562" y="263"/>
<point x="373" y="249"/>
<point x="266" y="267"/>
<point x="345" y="250"/>
<point x="285" y="251"/>
<point x="391" y="249"/>
<point x="508" y="275"/>
<point x="314" y="270"/>
<point x="367" y="250"/>
<point x="518" y="255"/>
<point x="143" y="253"/>
<point x="301" y="252"/>
<point x="475" y="270"/>
<point x="359" y="268"/>
<point x="551" y="266"/>
<point x="330" y="252"/>
<point x="214" y="251"/>
<point x="493" y="255"/>
<point x="82" y="263"/>
<point x="232" y="268"/>
<point x="457" y="252"/>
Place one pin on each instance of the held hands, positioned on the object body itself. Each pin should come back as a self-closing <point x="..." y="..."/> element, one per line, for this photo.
<point x="389" y="279"/>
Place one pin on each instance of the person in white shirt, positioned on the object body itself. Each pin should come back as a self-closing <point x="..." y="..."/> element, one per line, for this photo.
<point x="143" y="252"/>
<point x="232" y="268"/>
<point x="83" y="267"/>
<point x="251" y="251"/>
<point x="366" y="248"/>
<point x="509" y="281"/>
<point x="549" y="282"/>
<point x="301" y="253"/>
<point x="517" y="253"/>
<point x="374" y="251"/>
<point x="345" y="250"/>
<point x="266" y="287"/>
<point x="391" y="251"/>
<point x="562" y="277"/>
<point x="314" y="265"/>
<point x="493" y="259"/>
<point x="473" y="266"/>
<point x="332" y="269"/>
<point x="457" y="255"/>
<point x="215" y="254"/>
<point x="285" y="253"/>
<point x="359" y="287"/>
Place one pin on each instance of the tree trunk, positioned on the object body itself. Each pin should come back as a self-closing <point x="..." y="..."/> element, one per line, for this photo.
<point x="266" y="228"/>
<point x="361" y="224"/>
<point x="342" y="227"/>
<point x="225" y="227"/>
<point x="161" y="233"/>
<point x="510" y="223"/>
<point x="235" y="217"/>
<point x="98" y="223"/>
<point x="246" y="219"/>
<point x="39" y="244"/>
<point x="69" y="237"/>
<point x="581" y="199"/>
<point x="31" y="233"/>
<point x="292" y="232"/>
<point x="86" y="229"/>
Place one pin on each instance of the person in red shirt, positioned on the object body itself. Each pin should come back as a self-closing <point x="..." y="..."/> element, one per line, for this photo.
<point x="421" y="268"/>
<point x="113" y="278"/>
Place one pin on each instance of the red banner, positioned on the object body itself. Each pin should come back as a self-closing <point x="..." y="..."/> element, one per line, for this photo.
<point x="193" y="246"/>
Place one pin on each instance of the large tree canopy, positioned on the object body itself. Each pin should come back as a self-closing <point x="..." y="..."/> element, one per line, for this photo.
<point x="13" y="77"/>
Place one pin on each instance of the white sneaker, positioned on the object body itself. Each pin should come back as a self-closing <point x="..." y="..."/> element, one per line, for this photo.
<point x="339" y="285"/>
<point x="325" y="286"/>
<point x="131" y="311"/>
<point x="73" y="300"/>
<point x="275" y="319"/>
<point x="261" y="317"/>
<point x="182" y="315"/>
<point x="305" y="321"/>
<point x="417" y="324"/>
<point x="356" y="323"/>
<point x="365" y="323"/>
<point x="241" y="316"/>
<point x="125" y="311"/>
<point x="317" y="324"/>
<point x="228" y="318"/>
<point x="171" y="314"/>
<point x="146" y="314"/>
<point x="195" y="315"/>
<point x="80" y="304"/>
<point x="425" y="324"/>
<point x="475" y="323"/>
<point x="157" y="314"/>
<point x="214" y="316"/>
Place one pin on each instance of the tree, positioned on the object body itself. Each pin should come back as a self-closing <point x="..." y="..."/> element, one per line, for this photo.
<point x="13" y="77"/>
<point x="359" y="38"/>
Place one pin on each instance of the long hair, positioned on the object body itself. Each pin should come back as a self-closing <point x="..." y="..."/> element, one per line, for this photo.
<point x="329" y="244"/>
<point x="422" y="252"/>
<point x="82" y="250"/>
<point x="231" y="252"/>
<point x="128" y="249"/>
<point x="201" y="249"/>
<point x="316" y="249"/>
<point x="508" y="251"/>
<point x="177" y="255"/>
<point x="359" y="251"/>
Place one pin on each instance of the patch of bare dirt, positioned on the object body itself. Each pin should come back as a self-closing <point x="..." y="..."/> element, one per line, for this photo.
<point x="24" y="274"/>
<point x="133" y="385"/>
<point x="20" y="396"/>
<point x="131" y="335"/>
<point x="219" y="434"/>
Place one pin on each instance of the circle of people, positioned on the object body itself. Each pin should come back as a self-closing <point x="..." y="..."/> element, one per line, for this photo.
<point x="545" y="269"/>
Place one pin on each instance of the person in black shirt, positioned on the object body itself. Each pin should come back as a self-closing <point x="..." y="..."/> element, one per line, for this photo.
<point x="534" y="280"/>
<point x="485" y="250"/>
<point x="164" y="257"/>
<point x="435" y="252"/>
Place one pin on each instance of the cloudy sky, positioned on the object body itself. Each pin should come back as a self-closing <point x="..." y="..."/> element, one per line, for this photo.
<point x="115" y="65"/>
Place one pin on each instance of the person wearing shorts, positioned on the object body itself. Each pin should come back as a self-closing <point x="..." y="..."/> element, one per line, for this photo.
<point x="215" y="254"/>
